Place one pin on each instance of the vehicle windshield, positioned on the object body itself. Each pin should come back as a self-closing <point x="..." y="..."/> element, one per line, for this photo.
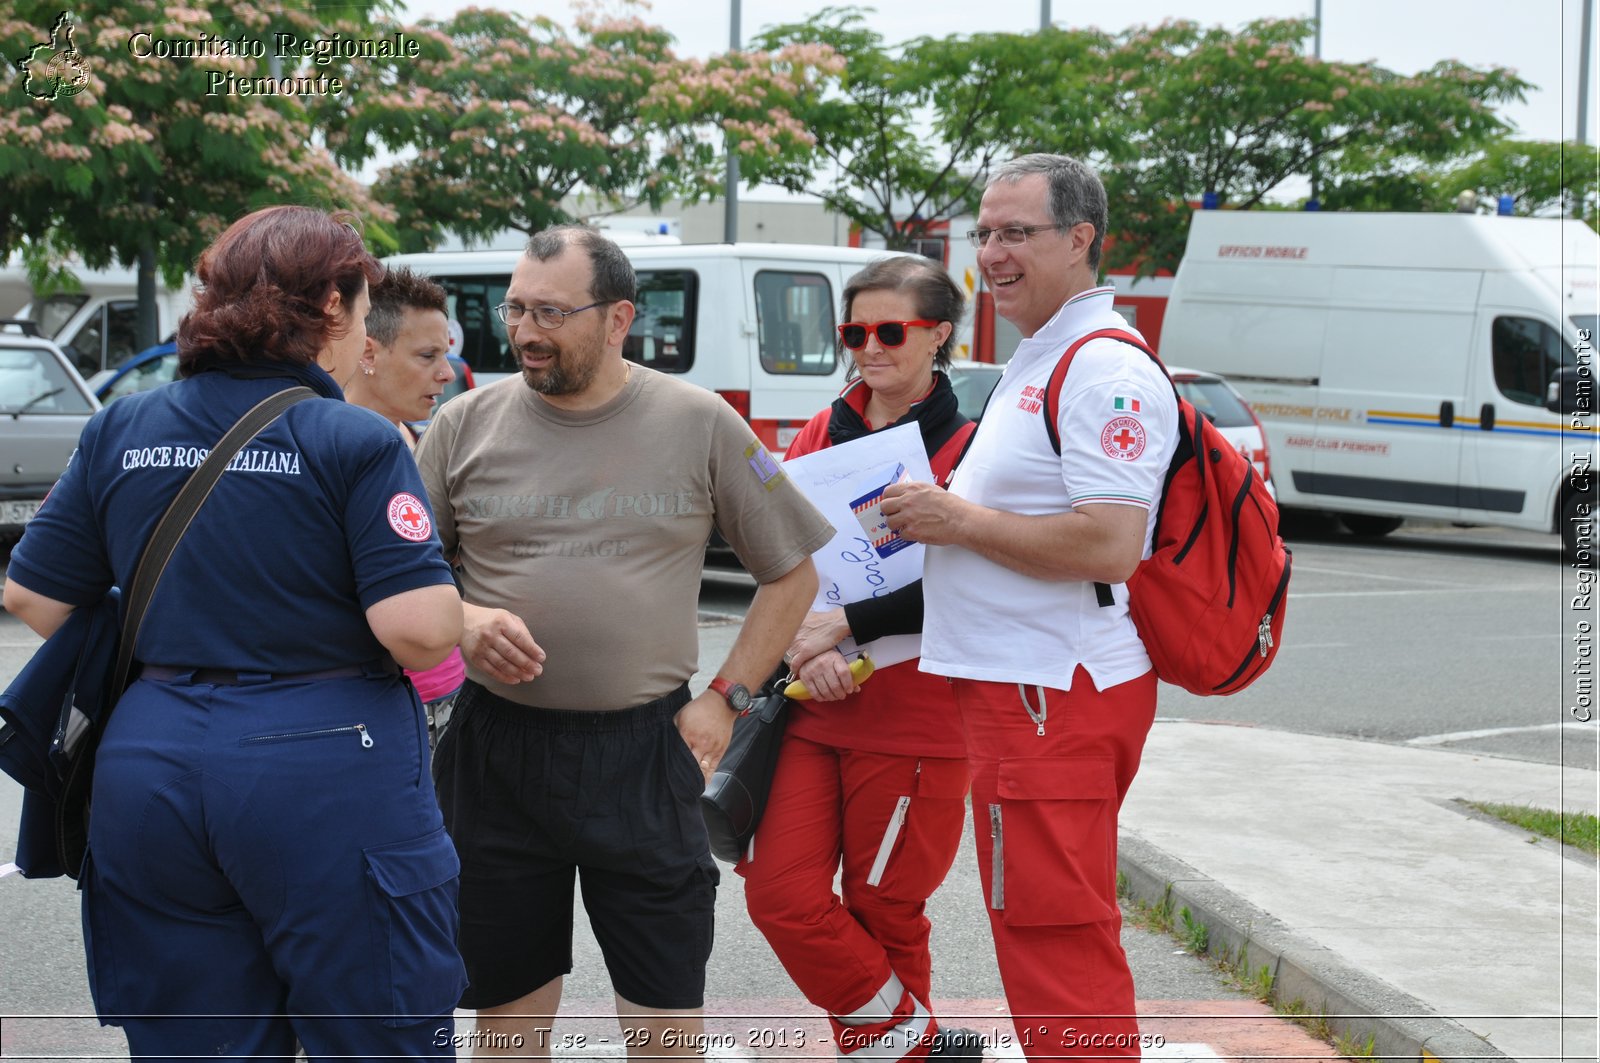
<point x="53" y="312"/>
<point x="32" y="381"/>
<point x="1217" y="401"/>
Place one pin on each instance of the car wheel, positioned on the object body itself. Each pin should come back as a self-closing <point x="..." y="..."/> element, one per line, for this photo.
<point x="1368" y="526"/>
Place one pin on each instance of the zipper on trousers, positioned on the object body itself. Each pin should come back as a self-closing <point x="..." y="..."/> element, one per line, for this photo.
<point x="1039" y="716"/>
<point x="997" y="863"/>
<point x="359" y="729"/>
<point x="891" y="834"/>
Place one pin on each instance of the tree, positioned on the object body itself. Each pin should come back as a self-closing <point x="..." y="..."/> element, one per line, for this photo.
<point x="120" y="153"/>
<point x="1204" y="113"/>
<point x="506" y="116"/>
<point x="906" y="135"/>
<point x="1542" y="177"/>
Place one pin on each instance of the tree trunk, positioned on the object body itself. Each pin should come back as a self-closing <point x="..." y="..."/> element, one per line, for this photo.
<point x="148" y="326"/>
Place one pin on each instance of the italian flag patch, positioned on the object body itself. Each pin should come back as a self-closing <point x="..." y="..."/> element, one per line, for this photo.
<point x="1123" y="404"/>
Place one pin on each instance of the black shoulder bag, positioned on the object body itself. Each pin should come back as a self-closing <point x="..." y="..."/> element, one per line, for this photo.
<point x="79" y="735"/>
<point x="736" y="796"/>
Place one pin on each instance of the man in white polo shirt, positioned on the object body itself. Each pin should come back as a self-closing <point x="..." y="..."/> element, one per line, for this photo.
<point x="1055" y="689"/>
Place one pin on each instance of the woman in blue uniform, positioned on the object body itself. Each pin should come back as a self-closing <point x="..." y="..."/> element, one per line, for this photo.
<point x="267" y="862"/>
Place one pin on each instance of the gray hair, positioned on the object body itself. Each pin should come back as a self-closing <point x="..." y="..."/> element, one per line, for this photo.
<point x="1076" y="194"/>
<point x="614" y="278"/>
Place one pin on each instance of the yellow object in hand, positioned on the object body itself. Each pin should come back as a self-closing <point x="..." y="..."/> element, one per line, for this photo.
<point x="860" y="669"/>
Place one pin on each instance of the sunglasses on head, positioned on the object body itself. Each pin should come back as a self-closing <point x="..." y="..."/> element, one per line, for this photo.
<point x="890" y="333"/>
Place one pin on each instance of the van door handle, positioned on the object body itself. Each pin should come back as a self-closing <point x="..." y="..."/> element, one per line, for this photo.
<point x="1486" y="417"/>
<point x="1447" y="414"/>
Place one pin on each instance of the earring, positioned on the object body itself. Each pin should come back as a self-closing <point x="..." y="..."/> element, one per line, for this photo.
<point x="367" y="369"/>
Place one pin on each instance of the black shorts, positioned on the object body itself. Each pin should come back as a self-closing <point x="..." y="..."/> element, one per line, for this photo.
<point x="536" y="797"/>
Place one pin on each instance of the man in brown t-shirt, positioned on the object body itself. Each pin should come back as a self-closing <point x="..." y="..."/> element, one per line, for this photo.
<point x="577" y="503"/>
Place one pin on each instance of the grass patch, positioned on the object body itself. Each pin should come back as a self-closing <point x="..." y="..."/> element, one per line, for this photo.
<point x="1167" y="917"/>
<point x="1578" y="829"/>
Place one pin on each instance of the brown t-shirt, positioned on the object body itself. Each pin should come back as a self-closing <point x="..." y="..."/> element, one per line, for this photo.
<point x="592" y="526"/>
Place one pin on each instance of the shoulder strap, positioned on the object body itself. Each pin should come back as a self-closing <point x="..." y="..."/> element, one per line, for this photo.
<point x="173" y="523"/>
<point x="1058" y="377"/>
<point x="962" y="439"/>
<point x="1052" y="408"/>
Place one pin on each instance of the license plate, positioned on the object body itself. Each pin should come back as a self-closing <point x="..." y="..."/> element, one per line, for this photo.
<point x="20" y="511"/>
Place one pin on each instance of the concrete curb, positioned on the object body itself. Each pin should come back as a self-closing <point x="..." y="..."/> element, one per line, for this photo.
<point x="1357" y="1004"/>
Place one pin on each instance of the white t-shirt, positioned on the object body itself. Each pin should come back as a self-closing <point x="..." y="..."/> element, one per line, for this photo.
<point x="1118" y="424"/>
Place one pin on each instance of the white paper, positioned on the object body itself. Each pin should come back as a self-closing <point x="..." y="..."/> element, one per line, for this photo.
<point x="864" y="559"/>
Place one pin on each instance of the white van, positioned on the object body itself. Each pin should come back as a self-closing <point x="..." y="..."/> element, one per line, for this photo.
<point x="1398" y="361"/>
<point x="97" y="325"/>
<point x="756" y="323"/>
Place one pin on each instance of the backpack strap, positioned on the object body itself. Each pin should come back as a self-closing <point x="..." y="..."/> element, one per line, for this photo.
<point x="962" y="438"/>
<point x="1052" y="409"/>
<point x="1058" y="377"/>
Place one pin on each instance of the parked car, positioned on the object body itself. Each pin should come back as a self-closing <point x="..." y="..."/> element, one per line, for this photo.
<point x="44" y="405"/>
<point x="149" y="368"/>
<point x="1213" y="396"/>
<point x="973" y="382"/>
<point x="1209" y="393"/>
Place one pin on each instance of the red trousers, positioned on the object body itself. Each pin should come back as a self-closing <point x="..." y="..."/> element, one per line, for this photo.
<point x="894" y="822"/>
<point x="1046" y="787"/>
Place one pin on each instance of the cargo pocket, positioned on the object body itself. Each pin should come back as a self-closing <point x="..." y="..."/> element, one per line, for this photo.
<point x="1054" y="832"/>
<point x="927" y="826"/>
<point x="413" y="898"/>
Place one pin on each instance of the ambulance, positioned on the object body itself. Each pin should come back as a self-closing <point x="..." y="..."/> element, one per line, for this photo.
<point x="755" y="323"/>
<point x="1400" y="362"/>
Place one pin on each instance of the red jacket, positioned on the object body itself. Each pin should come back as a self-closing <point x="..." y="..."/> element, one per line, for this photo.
<point x="899" y="709"/>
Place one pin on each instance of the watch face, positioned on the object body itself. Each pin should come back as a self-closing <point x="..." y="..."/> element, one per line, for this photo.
<point x="738" y="697"/>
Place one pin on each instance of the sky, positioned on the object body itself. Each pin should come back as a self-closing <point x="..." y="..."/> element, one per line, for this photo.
<point x="1536" y="38"/>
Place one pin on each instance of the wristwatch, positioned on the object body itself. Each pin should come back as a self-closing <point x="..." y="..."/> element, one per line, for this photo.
<point x="738" y="694"/>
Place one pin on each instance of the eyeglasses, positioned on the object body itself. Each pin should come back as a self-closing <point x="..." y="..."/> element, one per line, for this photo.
<point x="548" y="318"/>
<point x="889" y="333"/>
<point x="1010" y="235"/>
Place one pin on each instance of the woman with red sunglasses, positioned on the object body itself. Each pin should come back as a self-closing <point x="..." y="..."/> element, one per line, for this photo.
<point x="871" y="777"/>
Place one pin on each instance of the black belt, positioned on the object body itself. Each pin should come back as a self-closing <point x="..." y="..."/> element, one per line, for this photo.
<point x="229" y="677"/>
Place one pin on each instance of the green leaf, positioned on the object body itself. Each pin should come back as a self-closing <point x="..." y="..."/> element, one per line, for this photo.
<point x="80" y="179"/>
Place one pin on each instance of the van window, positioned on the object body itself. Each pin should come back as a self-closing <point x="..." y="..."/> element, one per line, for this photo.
<point x="86" y="347"/>
<point x="794" y="319"/>
<point x="122" y="332"/>
<point x="1527" y="353"/>
<point x="471" y="302"/>
<point x="662" y="334"/>
<point x="52" y="313"/>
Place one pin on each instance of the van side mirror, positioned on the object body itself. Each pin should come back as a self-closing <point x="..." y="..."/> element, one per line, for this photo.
<point x="1571" y="391"/>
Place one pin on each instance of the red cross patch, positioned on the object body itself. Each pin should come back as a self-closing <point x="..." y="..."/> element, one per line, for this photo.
<point x="409" y="517"/>
<point x="1122" y="438"/>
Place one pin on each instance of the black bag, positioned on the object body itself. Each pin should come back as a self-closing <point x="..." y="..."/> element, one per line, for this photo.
<point x="736" y="796"/>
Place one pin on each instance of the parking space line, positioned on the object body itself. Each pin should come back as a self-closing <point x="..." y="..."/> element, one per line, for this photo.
<point x="1493" y="732"/>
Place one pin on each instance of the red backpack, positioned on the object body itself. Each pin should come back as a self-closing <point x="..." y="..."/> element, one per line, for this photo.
<point x="1209" y="600"/>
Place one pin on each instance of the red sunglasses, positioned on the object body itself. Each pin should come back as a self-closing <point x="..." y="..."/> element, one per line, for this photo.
<point x="889" y="333"/>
